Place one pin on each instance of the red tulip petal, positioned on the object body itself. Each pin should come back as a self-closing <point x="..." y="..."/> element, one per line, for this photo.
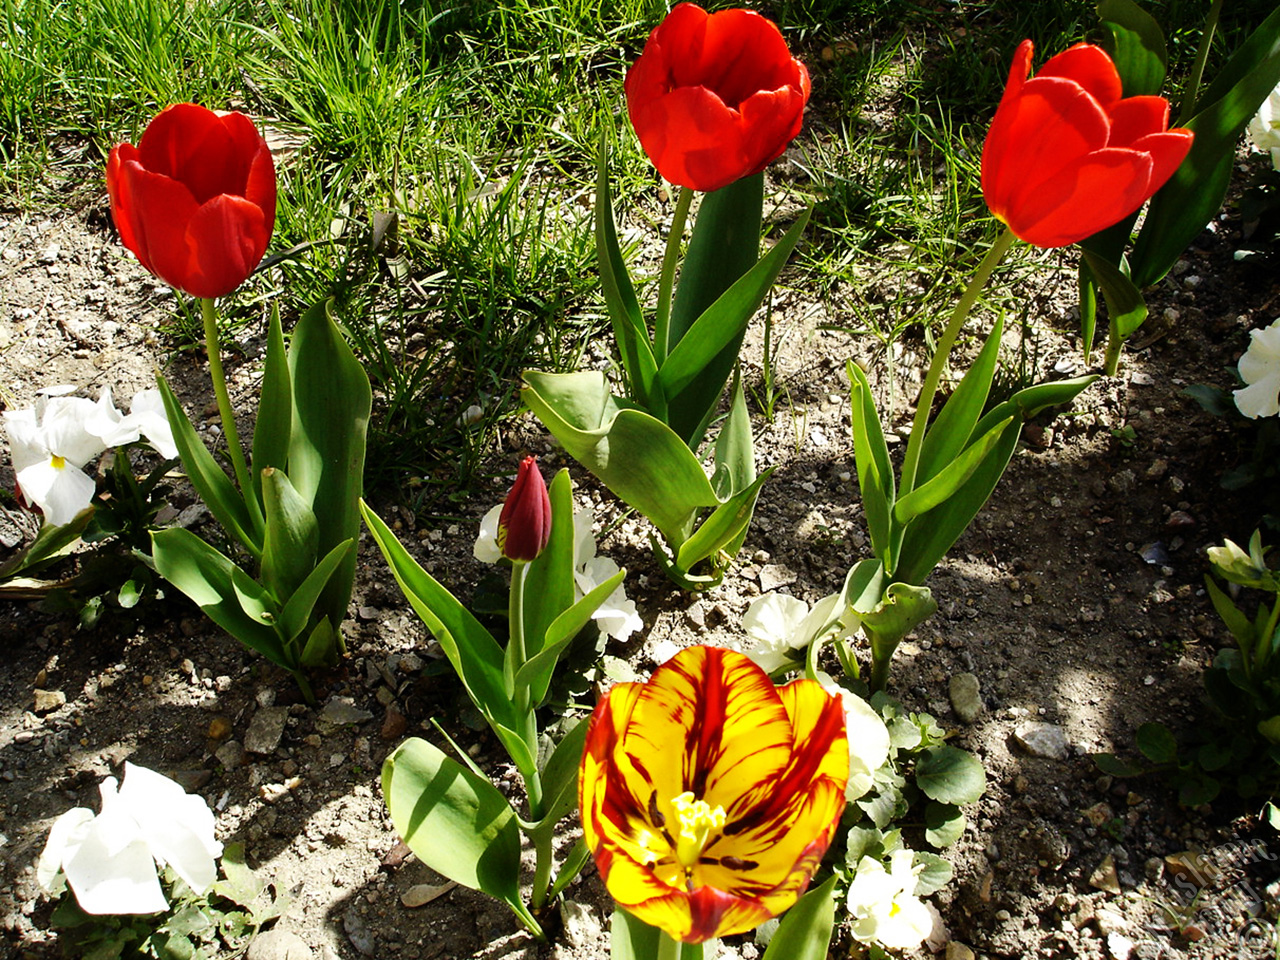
<point x="168" y="143"/>
<point x="692" y="138"/>
<point x="1019" y="70"/>
<point x="1136" y="117"/>
<point x="773" y="119"/>
<point x="1090" y="67"/>
<point x="1083" y="198"/>
<point x="160" y="209"/>
<point x="226" y="238"/>
<point x="1167" y="151"/>
<point x="1044" y="130"/>
<point x="741" y="53"/>
<point x="125" y="210"/>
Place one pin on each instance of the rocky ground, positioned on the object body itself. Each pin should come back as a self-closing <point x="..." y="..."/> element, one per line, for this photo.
<point x="1075" y="601"/>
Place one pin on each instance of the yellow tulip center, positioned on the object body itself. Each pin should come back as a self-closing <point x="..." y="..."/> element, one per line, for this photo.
<point x="58" y="462"/>
<point x="697" y="821"/>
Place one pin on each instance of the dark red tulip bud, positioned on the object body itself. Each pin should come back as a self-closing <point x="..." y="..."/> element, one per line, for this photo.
<point x="524" y="526"/>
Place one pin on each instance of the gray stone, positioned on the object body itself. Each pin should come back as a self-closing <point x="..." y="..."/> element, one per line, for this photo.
<point x="278" y="945"/>
<point x="1043" y="740"/>
<point x="582" y="929"/>
<point x="966" y="697"/>
<point x="231" y="755"/>
<point x="46" y="701"/>
<point x="265" y="729"/>
<point x="340" y="712"/>
<point x="358" y="932"/>
<point x="959" y="951"/>
<point x="775" y="575"/>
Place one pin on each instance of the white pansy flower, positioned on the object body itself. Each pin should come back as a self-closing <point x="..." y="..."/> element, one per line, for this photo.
<point x="109" y="860"/>
<point x="617" y="616"/>
<point x="868" y="738"/>
<point x="883" y="905"/>
<point x="779" y="624"/>
<point x="146" y="418"/>
<point x="49" y="445"/>
<point x="1260" y="369"/>
<point x="1264" y="128"/>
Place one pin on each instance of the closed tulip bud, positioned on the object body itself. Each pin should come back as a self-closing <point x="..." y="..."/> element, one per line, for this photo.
<point x="524" y="526"/>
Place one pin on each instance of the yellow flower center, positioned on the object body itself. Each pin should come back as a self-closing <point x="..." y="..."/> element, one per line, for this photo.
<point x="58" y="462"/>
<point x="697" y="820"/>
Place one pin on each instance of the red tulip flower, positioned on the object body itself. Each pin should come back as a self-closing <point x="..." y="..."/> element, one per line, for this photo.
<point x="195" y="200"/>
<point x="715" y="97"/>
<point x="709" y="795"/>
<point x="524" y="525"/>
<point x="1067" y="155"/>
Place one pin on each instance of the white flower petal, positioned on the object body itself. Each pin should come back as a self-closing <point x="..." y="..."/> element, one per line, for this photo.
<point x="64" y="424"/>
<point x="26" y="443"/>
<point x="584" y="541"/>
<point x="60" y="491"/>
<point x="108" y="880"/>
<point x="147" y="408"/>
<point x="868" y="737"/>
<point x="177" y="826"/>
<point x="774" y="618"/>
<point x="65" y="837"/>
<point x="486" y="546"/>
<point x="1260" y="399"/>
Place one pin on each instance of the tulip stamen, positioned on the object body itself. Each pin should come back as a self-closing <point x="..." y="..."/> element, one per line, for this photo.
<point x="698" y="820"/>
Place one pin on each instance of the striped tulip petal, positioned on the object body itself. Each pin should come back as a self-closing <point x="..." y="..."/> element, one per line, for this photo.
<point x="709" y="795"/>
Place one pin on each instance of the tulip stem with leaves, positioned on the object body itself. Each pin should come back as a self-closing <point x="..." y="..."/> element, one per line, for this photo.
<point x="711" y="116"/>
<point x="447" y="810"/>
<point x="949" y="471"/>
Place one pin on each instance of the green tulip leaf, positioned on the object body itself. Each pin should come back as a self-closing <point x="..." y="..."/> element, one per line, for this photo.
<point x="475" y="655"/>
<point x="214" y="486"/>
<point x="900" y="611"/>
<point x="1235" y="619"/>
<point x="289" y="546"/>
<point x="535" y="674"/>
<point x="947" y="434"/>
<point x="875" y="470"/>
<point x="559" y="776"/>
<point x="274" y="427"/>
<point x="630" y="938"/>
<point x="639" y="458"/>
<point x="331" y="404"/>
<point x="296" y="612"/>
<point x="51" y="542"/>
<point x="548" y="579"/>
<point x="207" y="577"/>
<point x="254" y="599"/>
<point x="805" y="930"/>
<point x="724" y="530"/>
<point x="320" y="649"/>
<point x="1194" y="194"/>
<point x="629" y="330"/>
<point x="1126" y="308"/>
<point x="864" y="586"/>
<point x="950" y="478"/>
<point x="724" y="246"/>
<point x="456" y="822"/>
<point x="735" y="449"/>
<point x="949" y="775"/>
<point x="693" y="366"/>
<point x="1136" y="45"/>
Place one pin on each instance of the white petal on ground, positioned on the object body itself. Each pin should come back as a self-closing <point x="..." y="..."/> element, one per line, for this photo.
<point x="177" y="826"/>
<point x="486" y="546"/>
<point x="110" y="879"/>
<point x="65" y="837"/>
<point x="147" y="410"/>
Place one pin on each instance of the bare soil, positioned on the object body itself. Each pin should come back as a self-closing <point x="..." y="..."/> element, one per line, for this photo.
<point x="1051" y="599"/>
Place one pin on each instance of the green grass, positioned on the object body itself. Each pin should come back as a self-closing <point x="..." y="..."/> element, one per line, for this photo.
<point x="473" y="129"/>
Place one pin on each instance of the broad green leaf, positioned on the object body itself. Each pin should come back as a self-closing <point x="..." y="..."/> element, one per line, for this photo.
<point x="205" y="576"/>
<point x="255" y="599"/>
<point x="1157" y="743"/>
<point x="947" y="434"/>
<point x="902" y="608"/>
<point x="949" y="775"/>
<point x="320" y="650"/>
<point x="864" y="586"/>
<point x="51" y="542"/>
<point x="548" y="580"/>
<point x="215" y="487"/>
<point x="289" y="546"/>
<point x="274" y="427"/>
<point x="1136" y="44"/>
<point x="694" y="365"/>
<point x="936" y="874"/>
<point x="297" y="609"/>
<point x="240" y="885"/>
<point x="535" y="674"/>
<point x="1110" y="763"/>
<point x="875" y="470"/>
<point x="931" y="535"/>
<point x="943" y="824"/>
<point x="1179" y="211"/>
<point x="724" y="246"/>
<point x="735" y="450"/>
<point x="576" y="859"/>
<point x="629" y="328"/>
<point x="560" y="775"/>
<point x="951" y="477"/>
<point x="457" y="823"/>
<point x="331" y="403"/>
<point x="471" y="649"/>
<point x="724" y="530"/>
<point x="1235" y="619"/>
<point x="805" y="931"/>
<point x="636" y="456"/>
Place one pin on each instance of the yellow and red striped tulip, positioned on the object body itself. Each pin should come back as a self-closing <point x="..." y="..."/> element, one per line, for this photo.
<point x="709" y="795"/>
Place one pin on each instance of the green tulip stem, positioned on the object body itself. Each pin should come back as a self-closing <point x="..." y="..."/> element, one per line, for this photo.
<point x="662" y="321"/>
<point x="544" y="853"/>
<point x="668" y="947"/>
<point x="943" y="353"/>
<point x="210" y="313"/>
